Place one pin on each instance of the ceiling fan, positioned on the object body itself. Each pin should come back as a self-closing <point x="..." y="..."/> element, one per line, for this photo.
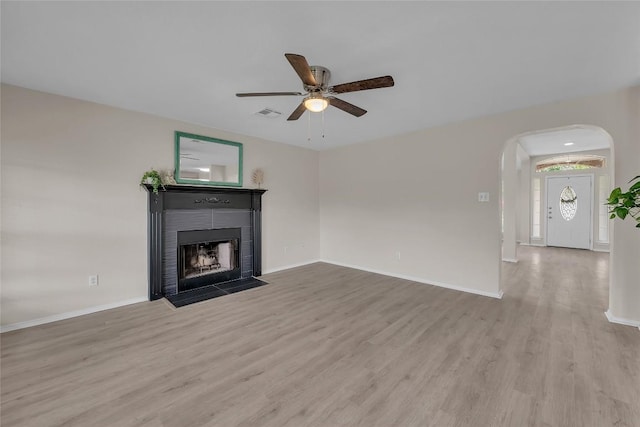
<point x="319" y="95"/>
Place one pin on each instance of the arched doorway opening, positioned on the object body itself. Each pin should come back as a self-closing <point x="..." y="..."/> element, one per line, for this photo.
<point x="556" y="160"/>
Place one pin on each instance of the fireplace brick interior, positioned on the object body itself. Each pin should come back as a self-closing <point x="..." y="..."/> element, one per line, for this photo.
<point x="203" y="219"/>
<point x="203" y="253"/>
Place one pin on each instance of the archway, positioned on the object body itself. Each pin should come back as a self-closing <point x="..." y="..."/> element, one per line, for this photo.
<point x="523" y="213"/>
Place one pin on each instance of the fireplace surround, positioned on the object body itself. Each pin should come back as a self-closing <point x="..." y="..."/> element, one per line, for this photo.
<point x="211" y="226"/>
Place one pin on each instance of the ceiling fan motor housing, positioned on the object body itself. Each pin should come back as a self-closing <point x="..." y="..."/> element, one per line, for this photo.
<point x="322" y="76"/>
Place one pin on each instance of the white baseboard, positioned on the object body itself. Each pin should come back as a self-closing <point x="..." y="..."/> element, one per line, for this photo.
<point x="68" y="315"/>
<point x="600" y="250"/>
<point x="510" y="260"/>
<point x="538" y="245"/>
<point x="287" y="267"/>
<point x="497" y="295"/>
<point x="611" y="318"/>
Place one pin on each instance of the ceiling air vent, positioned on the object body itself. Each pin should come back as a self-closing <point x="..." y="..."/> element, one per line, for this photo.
<point x="268" y="112"/>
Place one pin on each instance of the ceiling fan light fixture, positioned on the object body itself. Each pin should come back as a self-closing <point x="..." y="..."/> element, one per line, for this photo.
<point x="315" y="103"/>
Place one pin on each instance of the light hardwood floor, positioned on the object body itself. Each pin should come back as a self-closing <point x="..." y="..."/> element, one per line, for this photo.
<point x="329" y="346"/>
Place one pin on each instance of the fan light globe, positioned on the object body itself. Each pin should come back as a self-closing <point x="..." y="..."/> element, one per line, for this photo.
<point x="316" y="104"/>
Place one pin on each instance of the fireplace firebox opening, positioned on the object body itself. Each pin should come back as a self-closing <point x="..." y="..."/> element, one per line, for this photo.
<point x="207" y="257"/>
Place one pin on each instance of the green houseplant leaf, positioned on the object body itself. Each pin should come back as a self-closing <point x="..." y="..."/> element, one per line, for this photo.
<point x="613" y="197"/>
<point x="152" y="177"/>
<point x="622" y="204"/>
<point x="621" y="212"/>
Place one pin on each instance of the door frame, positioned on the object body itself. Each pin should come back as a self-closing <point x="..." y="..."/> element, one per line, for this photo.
<point x="546" y="205"/>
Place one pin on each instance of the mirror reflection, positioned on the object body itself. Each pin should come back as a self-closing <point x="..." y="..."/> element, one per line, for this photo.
<point x="203" y="160"/>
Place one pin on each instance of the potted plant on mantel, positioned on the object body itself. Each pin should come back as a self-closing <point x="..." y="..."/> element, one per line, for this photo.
<point x="626" y="204"/>
<point x="152" y="178"/>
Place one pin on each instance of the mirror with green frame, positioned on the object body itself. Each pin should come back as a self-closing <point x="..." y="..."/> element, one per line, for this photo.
<point x="202" y="160"/>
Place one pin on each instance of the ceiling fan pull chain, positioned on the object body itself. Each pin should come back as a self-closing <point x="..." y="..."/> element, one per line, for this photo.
<point x="322" y="123"/>
<point x="309" y="127"/>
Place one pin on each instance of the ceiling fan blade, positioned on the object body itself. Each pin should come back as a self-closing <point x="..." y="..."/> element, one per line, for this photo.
<point x="374" y="83"/>
<point x="300" y="64"/>
<point x="297" y="112"/>
<point x="242" y="95"/>
<point x="346" y="107"/>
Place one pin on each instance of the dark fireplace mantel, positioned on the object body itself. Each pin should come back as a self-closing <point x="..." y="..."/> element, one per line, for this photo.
<point x="187" y="197"/>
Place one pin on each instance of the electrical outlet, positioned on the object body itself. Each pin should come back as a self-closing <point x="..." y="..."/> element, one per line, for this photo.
<point x="286" y="249"/>
<point x="93" y="280"/>
<point x="483" y="197"/>
<point x="398" y="255"/>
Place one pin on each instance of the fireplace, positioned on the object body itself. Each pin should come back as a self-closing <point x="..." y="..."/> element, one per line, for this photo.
<point x="202" y="236"/>
<point x="206" y="257"/>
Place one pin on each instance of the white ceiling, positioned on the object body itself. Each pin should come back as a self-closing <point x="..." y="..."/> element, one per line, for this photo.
<point x="553" y="142"/>
<point x="450" y="60"/>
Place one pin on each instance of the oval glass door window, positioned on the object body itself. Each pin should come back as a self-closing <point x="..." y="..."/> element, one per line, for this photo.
<point x="568" y="203"/>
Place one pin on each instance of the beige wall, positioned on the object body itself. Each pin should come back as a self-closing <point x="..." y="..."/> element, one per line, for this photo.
<point x="523" y="210"/>
<point x="624" y="292"/>
<point x="509" y="176"/>
<point x="71" y="204"/>
<point x="417" y="193"/>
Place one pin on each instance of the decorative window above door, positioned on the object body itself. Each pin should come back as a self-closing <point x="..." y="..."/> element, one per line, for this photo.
<point x="570" y="162"/>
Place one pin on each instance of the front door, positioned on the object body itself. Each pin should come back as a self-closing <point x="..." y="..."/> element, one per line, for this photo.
<point x="569" y="205"/>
